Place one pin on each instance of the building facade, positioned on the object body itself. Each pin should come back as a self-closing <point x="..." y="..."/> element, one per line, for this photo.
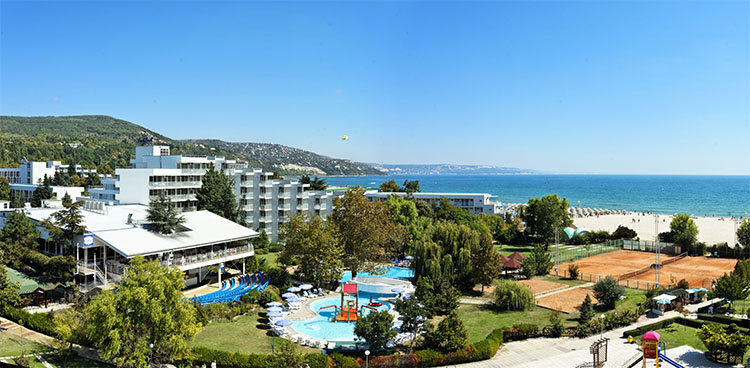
<point x="266" y="202"/>
<point x="475" y="203"/>
<point x="33" y="172"/>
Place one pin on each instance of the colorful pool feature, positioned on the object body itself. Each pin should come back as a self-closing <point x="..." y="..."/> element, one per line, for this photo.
<point x="391" y="272"/>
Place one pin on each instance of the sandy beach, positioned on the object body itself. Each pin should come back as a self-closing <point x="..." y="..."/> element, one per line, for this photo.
<point x="711" y="230"/>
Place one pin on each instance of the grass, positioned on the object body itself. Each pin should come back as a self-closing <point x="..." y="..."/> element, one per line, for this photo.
<point x="677" y="335"/>
<point x="11" y="345"/>
<point x="77" y="362"/>
<point x="633" y="297"/>
<point x="562" y="280"/>
<point x="269" y="257"/>
<point x="507" y="250"/>
<point x="248" y="334"/>
<point x="481" y="320"/>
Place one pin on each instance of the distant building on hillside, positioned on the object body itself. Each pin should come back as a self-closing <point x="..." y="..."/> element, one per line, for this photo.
<point x="266" y="202"/>
<point x="117" y="233"/>
<point x="33" y="172"/>
<point x="475" y="203"/>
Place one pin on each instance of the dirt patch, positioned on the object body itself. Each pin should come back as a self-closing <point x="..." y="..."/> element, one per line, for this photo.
<point x="698" y="271"/>
<point x="539" y="286"/>
<point x="567" y="301"/>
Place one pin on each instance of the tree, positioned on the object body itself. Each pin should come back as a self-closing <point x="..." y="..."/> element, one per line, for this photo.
<point x="414" y="318"/>
<point x="586" y="310"/>
<point x="315" y="184"/>
<point x="287" y="355"/>
<point x="16" y="201"/>
<point x="411" y="186"/>
<point x="445" y="252"/>
<point x="4" y="189"/>
<point x="376" y="329"/>
<point x="543" y="215"/>
<point x="19" y="231"/>
<point x="66" y="199"/>
<point x="485" y="261"/>
<point x="557" y="328"/>
<point x="451" y="334"/>
<point x="362" y="229"/>
<point x="720" y="343"/>
<point x="513" y="296"/>
<point x="216" y="194"/>
<point x="147" y="307"/>
<point x="608" y="292"/>
<point x="623" y="232"/>
<point x="312" y="244"/>
<point x="390" y="186"/>
<point x="69" y="328"/>
<point x="163" y="215"/>
<point x="41" y="194"/>
<point x="539" y="262"/>
<point x="67" y="223"/>
<point x="731" y="286"/>
<point x="684" y="231"/>
<point x="262" y="240"/>
<point x="8" y="290"/>
<point x="743" y="233"/>
<point x="92" y="179"/>
<point x="438" y="295"/>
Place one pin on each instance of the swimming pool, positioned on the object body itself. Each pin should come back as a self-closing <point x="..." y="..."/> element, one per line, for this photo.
<point x="321" y="326"/>
<point x="392" y="272"/>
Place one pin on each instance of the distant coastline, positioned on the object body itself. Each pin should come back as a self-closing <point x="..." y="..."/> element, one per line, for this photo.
<point x="698" y="195"/>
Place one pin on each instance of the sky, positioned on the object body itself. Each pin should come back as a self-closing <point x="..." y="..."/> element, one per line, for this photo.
<point x="570" y="87"/>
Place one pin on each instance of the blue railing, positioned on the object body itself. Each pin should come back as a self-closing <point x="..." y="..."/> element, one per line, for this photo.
<point x="232" y="290"/>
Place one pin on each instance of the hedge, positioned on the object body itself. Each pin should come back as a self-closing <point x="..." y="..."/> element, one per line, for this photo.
<point x="225" y="359"/>
<point x="695" y="323"/>
<point x="726" y="320"/>
<point x="39" y="322"/>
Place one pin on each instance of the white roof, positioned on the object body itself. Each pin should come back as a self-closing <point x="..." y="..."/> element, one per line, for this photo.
<point x="667" y="297"/>
<point x="202" y="228"/>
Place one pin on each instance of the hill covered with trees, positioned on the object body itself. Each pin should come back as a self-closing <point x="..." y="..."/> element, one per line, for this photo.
<point x="105" y="143"/>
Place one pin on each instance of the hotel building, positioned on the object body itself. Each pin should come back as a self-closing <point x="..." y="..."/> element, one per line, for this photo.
<point x="475" y="203"/>
<point x="265" y="202"/>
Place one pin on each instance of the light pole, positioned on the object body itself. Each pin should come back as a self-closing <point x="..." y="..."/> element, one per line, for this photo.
<point x="367" y="359"/>
<point x="656" y="244"/>
<point x="151" y="346"/>
<point x="601" y="330"/>
<point x="557" y="253"/>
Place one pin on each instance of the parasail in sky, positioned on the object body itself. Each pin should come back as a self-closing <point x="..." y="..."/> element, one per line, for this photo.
<point x="345" y="138"/>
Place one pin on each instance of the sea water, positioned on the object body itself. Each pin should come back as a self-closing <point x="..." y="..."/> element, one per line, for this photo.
<point x="699" y="195"/>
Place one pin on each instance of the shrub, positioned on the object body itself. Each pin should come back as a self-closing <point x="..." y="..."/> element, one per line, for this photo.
<point x="513" y="296"/>
<point x="623" y="232"/>
<point x="39" y="322"/>
<point x="683" y="284"/>
<point x="526" y="330"/>
<point x="608" y="292"/>
<point x="586" y="310"/>
<point x="556" y="328"/>
<point x="268" y="295"/>
<point x="451" y="333"/>
<point x="343" y="361"/>
<point x="573" y="271"/>
<point x="280" y="278"/>
<point x="253" y="297"/>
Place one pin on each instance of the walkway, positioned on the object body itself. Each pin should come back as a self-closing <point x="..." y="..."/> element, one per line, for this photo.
<point x="563" y="352"/>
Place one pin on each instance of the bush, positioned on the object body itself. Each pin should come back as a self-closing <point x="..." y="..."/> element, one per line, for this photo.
<point x="513" y="296"/>
<point x="253" y="297"/>
<point x="39" y="322"/>
<point x="275" y="248"/>
<point x="623" y="232"/>
<point x="608" y="292"/>
<point x="438" y="296"/>
<point x="683" y="284"/>
<point x="526" y="330"/>
<point x="573" y="271"/>
<point x="745" y="323"/>
<point x="280" y="278"/>
<point x="343" y="361"/>
<point x="202" y="355"/>
<point x="556" y="328"/>
<point x="451" y="333"/>
<point x="271" y="294"/>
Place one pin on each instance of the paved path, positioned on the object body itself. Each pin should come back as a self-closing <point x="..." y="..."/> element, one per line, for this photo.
<point x="564" y="352"/>
<point x="558" y="291"/>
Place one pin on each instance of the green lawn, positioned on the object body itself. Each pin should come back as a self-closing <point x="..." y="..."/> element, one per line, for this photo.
<point x="248" y="334"/>
<point x="11" y="345"/>
<point x="77" y="362"/>
<point x="677" y="335"/>
<point x="269" y="257"/>
<point x="507" y="250"/>
<point x="481" y="320"/>
<point x="633" y="297"/>
<point x="562" y="280"/>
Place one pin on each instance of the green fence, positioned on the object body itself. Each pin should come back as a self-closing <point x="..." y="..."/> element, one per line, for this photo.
<point x="568" y="253"/>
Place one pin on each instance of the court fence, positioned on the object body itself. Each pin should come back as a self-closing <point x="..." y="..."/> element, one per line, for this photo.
<point x="633" y="284"/>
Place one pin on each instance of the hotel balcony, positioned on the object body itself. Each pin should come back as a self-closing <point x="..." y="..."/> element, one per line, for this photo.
<point x="173" y="184"/>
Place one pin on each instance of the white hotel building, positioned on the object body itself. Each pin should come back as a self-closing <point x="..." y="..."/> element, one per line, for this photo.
<point x="266" y="202"/>
<point x="29" y="175"/>
<point x="475" y="203"/>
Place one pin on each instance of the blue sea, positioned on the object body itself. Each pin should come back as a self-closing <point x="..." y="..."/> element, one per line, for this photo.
<point x="664" y="194"/>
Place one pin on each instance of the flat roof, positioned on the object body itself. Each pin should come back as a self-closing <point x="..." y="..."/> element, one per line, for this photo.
<point x="112" y="228"/>
<point x="428" y="194"/>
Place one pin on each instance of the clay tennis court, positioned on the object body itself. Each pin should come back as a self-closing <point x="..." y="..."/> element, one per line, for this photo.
<point x="698" y="271"/>
<point x="567" y="301"/>
<point x="539" y="286"/>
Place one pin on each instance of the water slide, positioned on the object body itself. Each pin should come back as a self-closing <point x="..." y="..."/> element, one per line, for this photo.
<point x="670" y="361"/>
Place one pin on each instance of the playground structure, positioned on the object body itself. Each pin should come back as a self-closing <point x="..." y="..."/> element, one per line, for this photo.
<point x="349" y="310"/>
<point x="653" y="347"/>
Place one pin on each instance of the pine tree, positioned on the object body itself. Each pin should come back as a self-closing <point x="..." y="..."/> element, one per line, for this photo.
<point x="216" y="194"/>
<point x="16" y="201"/>
<point x="66" y="199"/>
<point x="4" y="189"/>
<point x="587" y="310"/>
<point x="163" y="215"/>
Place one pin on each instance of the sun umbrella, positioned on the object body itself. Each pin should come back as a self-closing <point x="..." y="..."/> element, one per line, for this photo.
<point x="305" y="286"/>
<point x="398" y="290"/>
<point x="283" y="323"/>
<point x="293" y="289"/>
<point x="287" y="295"/>
<point x="274" y="309"/>
<point x="408" y="257"/>
<point x="274" y="314"/>
<point x="651" y="336"/>
<point x="274" y="304"/>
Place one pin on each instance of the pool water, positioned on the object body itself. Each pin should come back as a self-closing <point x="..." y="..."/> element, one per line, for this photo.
<point x="392" y="272"/>
<point x="321" y="326"/>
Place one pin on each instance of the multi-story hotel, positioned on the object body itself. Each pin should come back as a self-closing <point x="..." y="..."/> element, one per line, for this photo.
<point x="29" y="175"/>
<point x="265" y="202"/>
<point x="475" y="203"/>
